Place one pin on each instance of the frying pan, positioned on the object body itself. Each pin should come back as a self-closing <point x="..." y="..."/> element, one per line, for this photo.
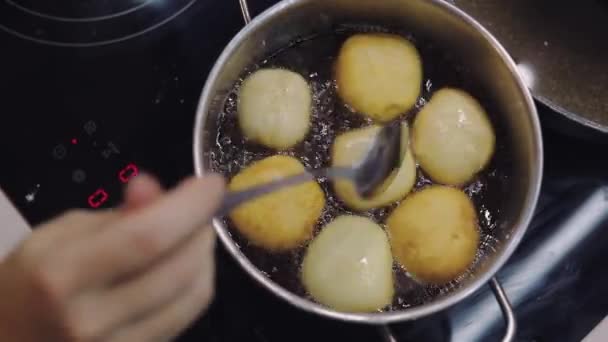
<point x="560" y="49"/>
<point x="488" y="64"/>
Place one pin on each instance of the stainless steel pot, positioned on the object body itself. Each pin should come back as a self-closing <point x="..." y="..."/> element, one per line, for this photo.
<point x="444" y="24"/>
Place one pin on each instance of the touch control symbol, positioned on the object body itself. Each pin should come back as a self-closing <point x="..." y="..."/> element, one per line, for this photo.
<point x="90" y="127"/>
<point x="60" y="152"/>
<point x="98" y="198"/>
<point x="79" y="176"/>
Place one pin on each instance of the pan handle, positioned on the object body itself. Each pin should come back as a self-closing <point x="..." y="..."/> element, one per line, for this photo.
<point x="507" y="310"/>
<point x="386" y="333"/>
<point x="505" y="306"/>
<point x="245" y="11"/>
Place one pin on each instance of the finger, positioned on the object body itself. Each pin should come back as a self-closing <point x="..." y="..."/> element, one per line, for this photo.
<point x="172" y="320"/>
<point x="146" y="235"/>
<point x="142" y="191"/>
<point x="159" y="286"/>
<point x="69" y="227"/>
<point x="75" y="224"/>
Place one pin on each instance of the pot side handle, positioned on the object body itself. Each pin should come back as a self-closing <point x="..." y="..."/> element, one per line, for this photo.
<point x="245" y="11"/>
<point x="505" y="306"/>
<point x="507" y="310"/>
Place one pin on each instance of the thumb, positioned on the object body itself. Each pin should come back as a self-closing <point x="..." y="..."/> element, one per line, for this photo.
<point x="142" y="191"/>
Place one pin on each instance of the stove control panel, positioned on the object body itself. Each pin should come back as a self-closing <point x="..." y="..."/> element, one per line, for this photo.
<point x="94" y="165"/>
<point x="86" y="168"/>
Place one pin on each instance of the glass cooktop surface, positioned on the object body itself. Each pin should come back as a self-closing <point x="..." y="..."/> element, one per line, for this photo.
<point x="94" y="92"/>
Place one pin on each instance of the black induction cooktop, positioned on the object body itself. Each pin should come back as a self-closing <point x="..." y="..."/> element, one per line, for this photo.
<point x="94" y="92"/>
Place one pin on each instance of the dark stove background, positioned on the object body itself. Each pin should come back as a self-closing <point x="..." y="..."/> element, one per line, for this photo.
<point x="141" y="96"/>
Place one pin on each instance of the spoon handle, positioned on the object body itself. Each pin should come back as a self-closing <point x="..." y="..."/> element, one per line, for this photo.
<point x="235" y="198"/>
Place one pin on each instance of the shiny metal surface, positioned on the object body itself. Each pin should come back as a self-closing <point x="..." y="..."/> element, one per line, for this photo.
<point x="560" y="51"/>
<point x="507" y="310"/>
<point x="386" y="334"/>
<point x="245" y="11"/>
<point x="380" y="161"/>
<point x="491" y="67"/>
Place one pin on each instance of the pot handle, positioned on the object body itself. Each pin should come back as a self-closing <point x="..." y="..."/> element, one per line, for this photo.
<point x="507" y="310"/>
<point x="386" y="333"/>
<point x="505" y="307"/>
<point x="245" y="11"/>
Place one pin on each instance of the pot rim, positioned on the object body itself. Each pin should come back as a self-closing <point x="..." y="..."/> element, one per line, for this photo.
<point x="380" y="317"/>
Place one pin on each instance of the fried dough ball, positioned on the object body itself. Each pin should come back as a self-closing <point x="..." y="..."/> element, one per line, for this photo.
<point x="274" y="108"/>
<point x="379" y="75"/>
<point x="434" y="234"/>
<point x="452" y="137"/>
<point x="284" y="219"/>
<point x="348" y="266"/>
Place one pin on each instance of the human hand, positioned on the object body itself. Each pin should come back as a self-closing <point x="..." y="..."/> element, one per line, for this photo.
<point x="143" y="272"/>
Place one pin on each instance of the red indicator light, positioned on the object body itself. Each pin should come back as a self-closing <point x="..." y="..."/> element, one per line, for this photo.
<point x="74" y="141"/>
<point x="98" y="198"/>
<point x="128" y="172"/>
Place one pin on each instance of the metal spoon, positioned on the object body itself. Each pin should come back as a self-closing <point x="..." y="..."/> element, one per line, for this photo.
<point x="381" y="159"/>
